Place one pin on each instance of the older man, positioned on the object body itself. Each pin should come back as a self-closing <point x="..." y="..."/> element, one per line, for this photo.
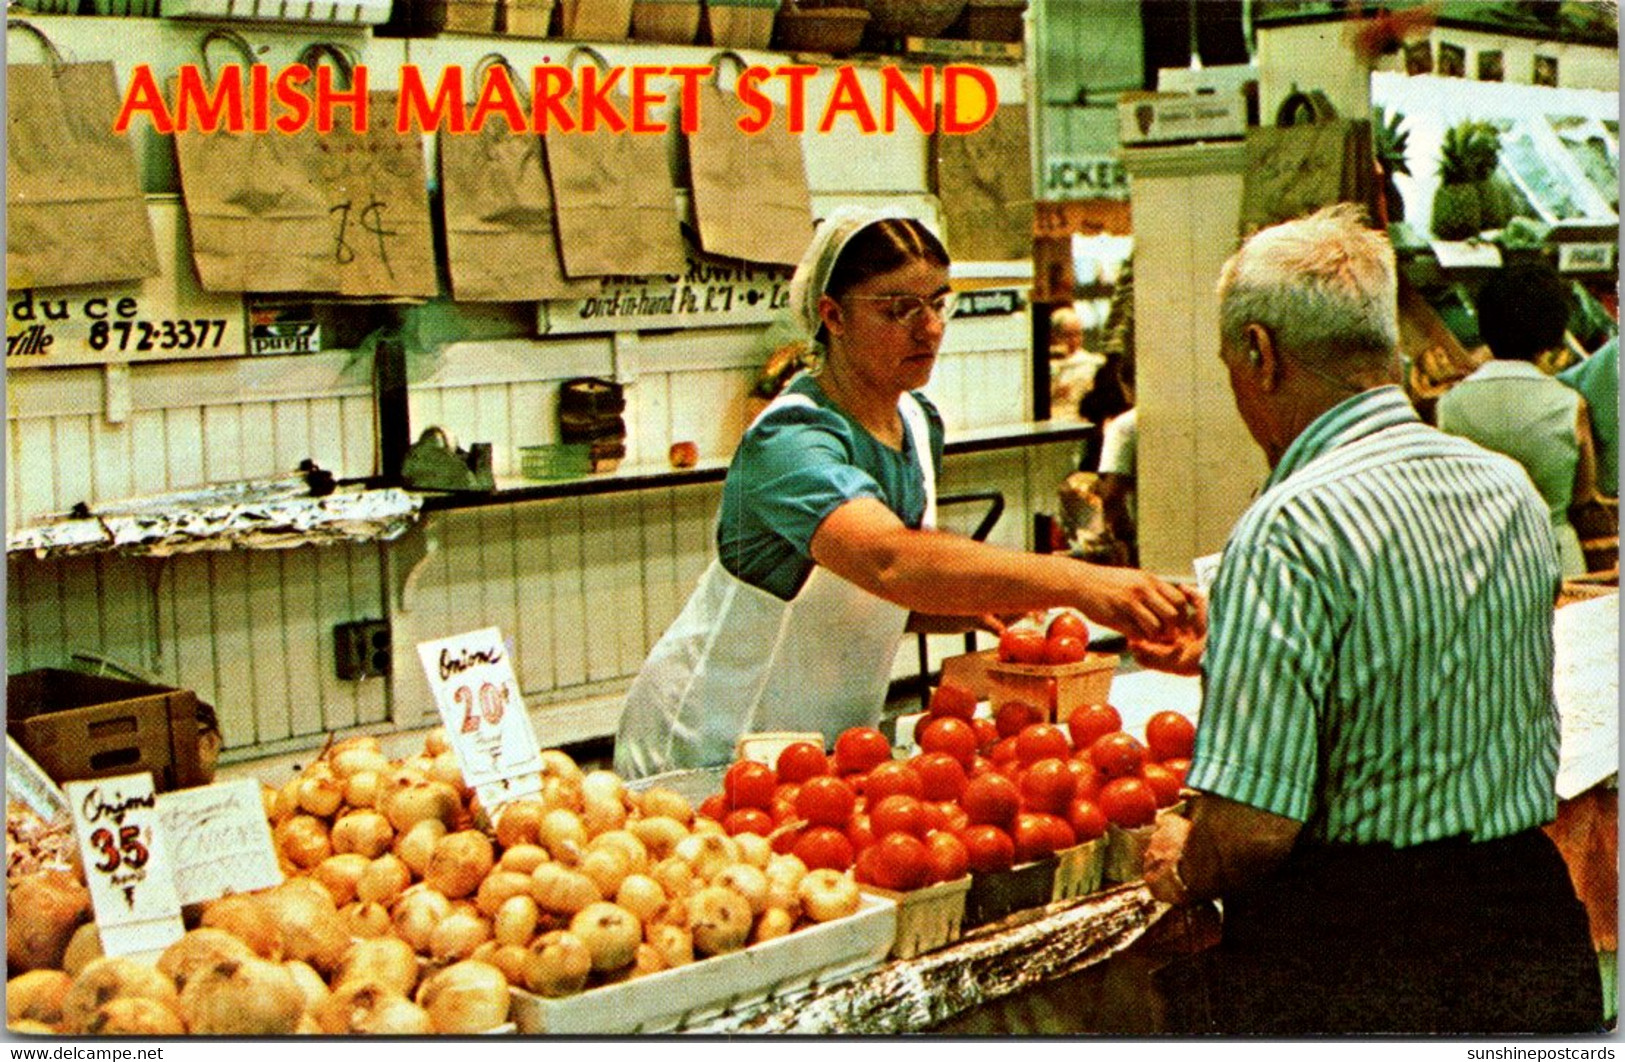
<point x="1378" y="737"/>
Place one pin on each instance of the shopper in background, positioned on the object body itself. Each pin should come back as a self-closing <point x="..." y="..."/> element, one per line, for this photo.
<point x="1072" y="369"/>
<point x="1118" y="455"/>
<point x="1107" y="398"/>
<point x="1510" y="406"/>
<point x="826" y="537"/>
<point x="1597" y="380"/>
<point x="1378" y="739"/>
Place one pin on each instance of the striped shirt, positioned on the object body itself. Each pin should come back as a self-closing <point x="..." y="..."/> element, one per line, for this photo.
<point x="1379" y="656"/>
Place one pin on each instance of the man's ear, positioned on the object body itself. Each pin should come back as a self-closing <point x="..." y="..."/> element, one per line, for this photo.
<point x="829" y="311"/>
<point x="1264" y="359"/>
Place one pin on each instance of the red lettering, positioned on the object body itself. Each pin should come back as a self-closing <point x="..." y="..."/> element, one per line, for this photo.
<point x="595" y="102"/>
<point x="760" y="107"/>
<point x="895" y="88"/>
<point x="966" y="108"/>
<point x="296" y="104"/>
<point x="549" y="85"/>
<point x="643" y="98"/>
<point x="796" y="103"/>
<point x="689" y="95"/>
<point x="259" y="97"/>
<point x="143" y="96"/>
<point x="192" y="95"/>
<point x="847" y="98"/>
<point x="498" y="95"/>
<point x="415" y="112"/>
<point x="329" y="97"/>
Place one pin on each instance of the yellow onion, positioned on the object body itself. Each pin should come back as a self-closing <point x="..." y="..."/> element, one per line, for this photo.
<point x="627" y="843"/>
<point x="516" y="920"/>
<point x="719" y="920"/>
<point x="459" y="863"/>
<point x="457" y="935"/>
<point x="356" y="757"/>
<point x="561" y="890"/>
<point x="303" y="840"/>
<point x="416" y="845"/>
<point x="748" y="882"/>
<point x="134" y="1016"/>
<point x="607" y="867"/>
<point x="558" y="964"/>
<point x="36" y="996"/>
<point x="436" y="742"/>
<point x="310" y="925"/>
<point x="509" y="958"/>
<point x="362" y="789"/>
<point x="774" y="922"/>
<point x="245" y="917"/>
<point x="674" y="943"/>
<point x="388" y="961"/>
<point x="518" y="822"/>
<point x="309" y="982"/>
<point x="320" y="794"/>
<point x="497" y="887"/>
<point x="754" y="849"/>
<point x="363" y="831"/>
<point x="409" y="804"/>
<point x="199" y="949"/>
<point x="828" y="894"/>
<point x="611" y="933"/>
<point x="642" y="895"/>
<point x="707" y="853"/>
<point x="383" y="880"/>
<point x="466" y="997"/>
<point x="416" y="914"/>
<point x="564" y="835"/>
<point x="372" y="1009"/>
<point x="660" y="802"/>
<point x="363" y="919"/>
<point x="658" y="833"/>
<point x="445" y="768"/>
<point x="247" y="997"/>
<point x="523" y="858"/>
<point x="43" y="910"/>
<point x="556" y="763"/>
<point x="338" y="874"/>
<point x="84" y="945"/>
<point x="113" y="977"/>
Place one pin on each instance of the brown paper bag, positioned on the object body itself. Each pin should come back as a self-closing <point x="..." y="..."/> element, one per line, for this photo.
<point x="1296" y="169"/>
<point x="498" y="209"/>
<point x="615" y="201"/>
<point x="750" y="189"/>
<point x="339" y="213"/>
<point x="984" y="183"/>
<point x="74" y="209"/>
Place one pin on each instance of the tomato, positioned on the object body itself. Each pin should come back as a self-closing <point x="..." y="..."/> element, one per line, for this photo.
<point x="714" y="807"/>
<point x="861" y="748"/>
<point x="860" y="831"/>
<point x="978" y="765"/>
<point x="786" y="791"/>
<point x="991" y="799"/>
<point x="1021" y="645"/>
<point x="1084" y="774"/>
<point x="748" y="820"/>
<point x="987" y="732"/>
<point x="898" y="813"/>
<point x="1060" y="829"/>
<point x="1179" y="767"/>
<point x="1033" y="838"/>
<point x="948" y="734"/>
<point x="800" y="761"/>
<point x="1128" y="802"/>
<point x="953" y="815"/>
<point x="1170" y="736"/>
<point x="942" y="776"/>
<point x="1117" y="755"/>
<point x="783" y="810"/>
<point x="952" y="699"/>
<point x="988" y="849"/>
<point x="748" y="784"/>
<point x="1003" y="751"/>
<point x="932" y="816"/>
<point x="824" y="846"/>
<point x="1163" y="782"/>
<point x="825" y="800"/>
<point x="901" y="862"/>
<point x="893" y="776"/>
<point x="1064" y="649"/>
<point x="784" y="841"/>
<point x="1070" y="624"/>
<point x="1086" y="819"/>
<point x="1041" y="741"/>
<point x="863" y="868"/>
<point x="1011" y="769"/>
<point x="1011" y="717"/>
<point x="1047" y="786"/>
<point x="1090" y="722"/>
<point x="947" y="855"/>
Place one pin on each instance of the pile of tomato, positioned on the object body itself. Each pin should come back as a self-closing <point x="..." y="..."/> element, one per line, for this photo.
<point x="983" y="794"/>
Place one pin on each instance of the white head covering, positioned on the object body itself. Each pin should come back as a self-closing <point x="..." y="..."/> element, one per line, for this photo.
<point x="829" y="240"/>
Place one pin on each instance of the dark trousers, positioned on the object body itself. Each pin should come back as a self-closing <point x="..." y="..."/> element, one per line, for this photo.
<point x="1444" y="938"/>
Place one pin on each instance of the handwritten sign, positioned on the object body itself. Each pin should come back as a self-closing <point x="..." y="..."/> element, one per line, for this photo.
<point x="163" y="317"/>
<point x="218" y="840"/>
<point x="484" y="712"/>
<point x="710" y="291"/>
<point x="121" y="845"/>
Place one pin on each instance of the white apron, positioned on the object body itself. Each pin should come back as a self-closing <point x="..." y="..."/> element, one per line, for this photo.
<point x="739" y="660"/>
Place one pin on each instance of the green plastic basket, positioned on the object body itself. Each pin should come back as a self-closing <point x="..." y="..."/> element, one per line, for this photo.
<point x="555" y="461"/>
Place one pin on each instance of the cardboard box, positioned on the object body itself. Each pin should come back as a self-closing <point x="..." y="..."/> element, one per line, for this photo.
<point x="79" y="726"/>
<point x="1172" y="117"/>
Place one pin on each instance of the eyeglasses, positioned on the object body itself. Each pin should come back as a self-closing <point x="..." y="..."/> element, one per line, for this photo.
<point x="911" y="309"/>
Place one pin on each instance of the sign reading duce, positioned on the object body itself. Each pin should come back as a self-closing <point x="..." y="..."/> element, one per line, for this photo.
<point x="484" y="713"/>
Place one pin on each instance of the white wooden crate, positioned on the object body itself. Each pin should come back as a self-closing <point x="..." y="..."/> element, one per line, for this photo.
<point x="688" y="995"/>
<point x="362" y="12"/>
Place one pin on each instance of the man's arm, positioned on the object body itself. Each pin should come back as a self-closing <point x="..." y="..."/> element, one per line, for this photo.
<point x="1223" y="846"/>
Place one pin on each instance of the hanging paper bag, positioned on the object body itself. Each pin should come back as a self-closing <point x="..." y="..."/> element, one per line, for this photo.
<point x="498" y="209"/>
<point x="615" y="200"/>
<point x="75" y="213"/>
<point x="984" y="183"/>
<point x="750" y="189"/>
<point x="341" y="213"/>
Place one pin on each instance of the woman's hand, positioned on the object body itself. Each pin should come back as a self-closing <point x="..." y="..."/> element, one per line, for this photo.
<point x="1132" y="601"/>
<point x="1179" y="650"/>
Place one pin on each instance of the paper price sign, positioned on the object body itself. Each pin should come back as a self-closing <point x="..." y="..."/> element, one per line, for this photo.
<point x="131" y="879"/>
<point x="218" y="840"/>
<point x="484" y="713"/>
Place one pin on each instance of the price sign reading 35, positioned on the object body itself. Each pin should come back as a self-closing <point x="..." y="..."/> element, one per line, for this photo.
<point x="121" y="845"/>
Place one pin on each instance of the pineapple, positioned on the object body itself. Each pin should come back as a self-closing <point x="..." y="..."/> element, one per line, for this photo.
<point x="1468" y="199"/>
<point x="1390" y="139"/>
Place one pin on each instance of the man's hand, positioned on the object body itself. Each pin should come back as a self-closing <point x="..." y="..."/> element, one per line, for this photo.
<point x="1132" y="601"/>
<point x="1162" y="857"/>
<point x="1178" y="649"/>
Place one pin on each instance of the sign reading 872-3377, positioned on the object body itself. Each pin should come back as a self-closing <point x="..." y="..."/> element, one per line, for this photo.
<point x="483" y="710"/>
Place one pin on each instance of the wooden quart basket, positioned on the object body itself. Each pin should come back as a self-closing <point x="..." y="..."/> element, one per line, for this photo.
<point x="927" y="918"/>
<point x="1087" y="682"/>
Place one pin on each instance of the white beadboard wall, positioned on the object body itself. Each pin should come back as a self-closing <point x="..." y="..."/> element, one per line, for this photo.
<point x="582" y="586"/>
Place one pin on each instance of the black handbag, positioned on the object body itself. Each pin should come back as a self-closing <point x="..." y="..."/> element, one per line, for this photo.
<point x="433" y="463"/>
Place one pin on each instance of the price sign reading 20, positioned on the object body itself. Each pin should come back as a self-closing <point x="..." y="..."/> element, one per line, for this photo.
<point x="489" y="706"/>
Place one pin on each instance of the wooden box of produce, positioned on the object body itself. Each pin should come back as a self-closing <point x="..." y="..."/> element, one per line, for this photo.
<point x="1056" y="689"/>
<point x="927" y="918"/>
<point x="527" y="18"/>
<point x="686" y="996"/>
<point x="79" y="726"/>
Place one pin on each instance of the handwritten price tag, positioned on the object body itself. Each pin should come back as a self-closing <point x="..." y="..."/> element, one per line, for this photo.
<point x="121" y="844"/>
<point x="479" y="699"/>
<point x="218" y="840"/>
